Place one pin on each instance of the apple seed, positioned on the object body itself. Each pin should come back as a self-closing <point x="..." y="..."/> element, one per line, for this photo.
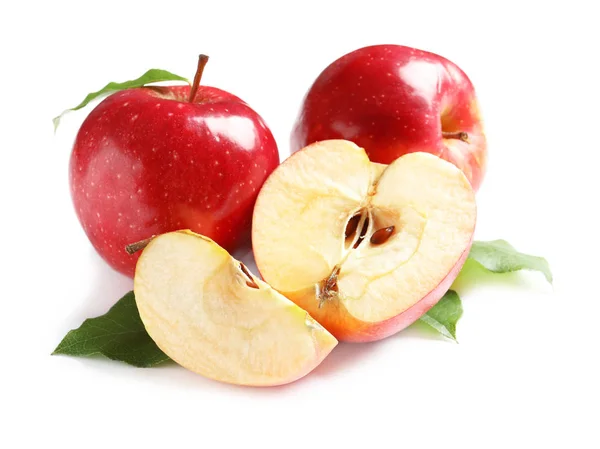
<point x="382" y="235"/>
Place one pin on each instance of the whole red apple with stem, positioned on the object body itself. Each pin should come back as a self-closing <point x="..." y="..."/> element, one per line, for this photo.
<point x="392" y="100"/>
<point x="150" y="160"/>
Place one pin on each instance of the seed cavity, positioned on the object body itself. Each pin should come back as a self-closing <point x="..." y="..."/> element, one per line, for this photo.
<point x="363" y="232"/>
<point x="250" y="282"/>
<point x="382" y="235"/>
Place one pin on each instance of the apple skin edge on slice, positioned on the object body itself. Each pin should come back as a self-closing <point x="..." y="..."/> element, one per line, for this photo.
<point x="207" y="312"/>
<point x="366" y="249"/>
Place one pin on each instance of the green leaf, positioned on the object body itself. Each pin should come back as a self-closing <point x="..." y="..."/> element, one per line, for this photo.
<point x="445" y="314"/>
<point x="151" y="76"/>
<point x="118" y="335"/>
<point x="498" y="256"/>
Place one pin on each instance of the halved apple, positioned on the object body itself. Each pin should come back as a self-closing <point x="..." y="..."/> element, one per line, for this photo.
<point x="365" y="248"/>
<point x="207" y="312"/>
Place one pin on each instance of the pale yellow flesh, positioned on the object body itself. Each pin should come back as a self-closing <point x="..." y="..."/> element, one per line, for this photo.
<point x="196" y="305"/>
<point x="302" y="211"/>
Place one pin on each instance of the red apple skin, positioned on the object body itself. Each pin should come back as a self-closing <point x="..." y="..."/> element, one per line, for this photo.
<point x="392" y="100"/>
<point x="146" y="161"/>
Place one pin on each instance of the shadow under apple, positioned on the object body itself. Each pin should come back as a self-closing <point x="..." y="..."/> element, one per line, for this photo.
<point x="106" y="288"/>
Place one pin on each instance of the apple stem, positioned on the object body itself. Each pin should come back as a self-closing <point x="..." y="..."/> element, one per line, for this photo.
<point x="202" y="60"/>
<point x="460" y="135"/>
<point x="133" y="248"/>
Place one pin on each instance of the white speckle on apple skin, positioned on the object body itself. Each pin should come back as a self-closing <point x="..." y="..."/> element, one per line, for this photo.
<point x="134" y="118"/>
<point x="170" y="114"/>
<point x="180" y="106"/>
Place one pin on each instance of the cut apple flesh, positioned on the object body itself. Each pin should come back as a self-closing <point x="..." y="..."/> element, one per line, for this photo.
<point x="365" y="248"/>
<point x="209" y="314"/>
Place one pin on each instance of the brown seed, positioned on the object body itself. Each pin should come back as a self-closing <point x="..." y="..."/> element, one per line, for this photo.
<point x="352" y="225"/>
<point x="382" y="235"/>
<point x="250" y="282"/>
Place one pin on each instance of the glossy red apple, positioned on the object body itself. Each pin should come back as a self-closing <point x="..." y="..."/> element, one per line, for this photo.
<point x="392" y="100"/>
<point x="156" y="159"/>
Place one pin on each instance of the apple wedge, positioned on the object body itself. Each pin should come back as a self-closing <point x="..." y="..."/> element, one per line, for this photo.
<point x="207" y="312"/>
<point x="365" y="248"/>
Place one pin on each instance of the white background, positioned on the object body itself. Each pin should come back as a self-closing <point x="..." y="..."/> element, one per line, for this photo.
<point x="525" y="371"/>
